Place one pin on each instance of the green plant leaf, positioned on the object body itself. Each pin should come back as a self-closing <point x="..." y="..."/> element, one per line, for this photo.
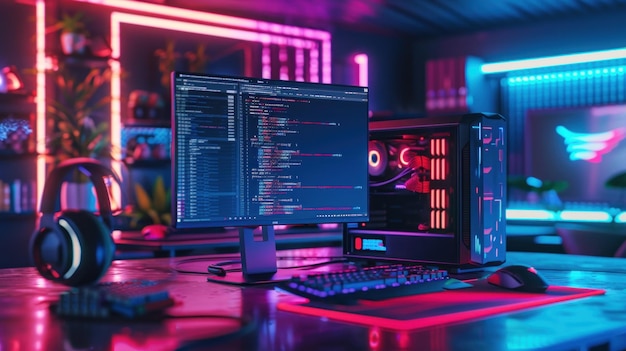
<point x="154" y="216"/>
<point x="166" y="218"/>
<point x="159" y="195"/>
<point x="617" y="181"/>
<point x="74" y="133"/>
<point x="142" y="197"/>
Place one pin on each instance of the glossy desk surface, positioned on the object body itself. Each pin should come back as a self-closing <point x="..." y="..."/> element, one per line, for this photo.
<point x="27" y="324"/>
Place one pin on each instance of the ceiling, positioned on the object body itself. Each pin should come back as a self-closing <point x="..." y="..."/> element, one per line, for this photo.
<point x="405" y="17"/>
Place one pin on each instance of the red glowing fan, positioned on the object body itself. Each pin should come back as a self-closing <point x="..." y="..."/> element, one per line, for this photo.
<point x="377" y="158"/>
<point x="420" y="178"/>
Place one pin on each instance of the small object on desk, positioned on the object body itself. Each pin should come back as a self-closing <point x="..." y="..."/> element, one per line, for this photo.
<point x="519" y="278"/>
<point x="155" y="231"/>
<point x="368" y="283"/>
<point x="130" y="299"/>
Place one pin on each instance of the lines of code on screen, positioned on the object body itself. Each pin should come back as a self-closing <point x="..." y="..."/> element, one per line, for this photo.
<point x="258" y="152"/>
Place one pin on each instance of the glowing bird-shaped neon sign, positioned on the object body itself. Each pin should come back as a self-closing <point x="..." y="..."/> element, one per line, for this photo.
<point x="590" y="146"/>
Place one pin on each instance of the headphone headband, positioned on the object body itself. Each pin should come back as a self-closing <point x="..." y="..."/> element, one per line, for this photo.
<point x="96" y="172"/>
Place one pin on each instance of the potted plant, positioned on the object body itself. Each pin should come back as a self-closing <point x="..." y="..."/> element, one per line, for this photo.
<point x="540" y="191"/>
<point x="151" y="208"/>
<point x="73" y="127"/>
<point x="73" y="33"/>
<point x="197" y="60"/>
<point x="167" y="62"/>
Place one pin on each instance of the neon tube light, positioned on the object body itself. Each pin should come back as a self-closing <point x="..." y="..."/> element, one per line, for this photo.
<point x="314" y="55"/>
<point x="362" y="62"/>
<point x="117" y="18"/>
<point x="207" y="17"/>
<point x="620" y="218"/>
<point x="567" y="75"/>
<point x="586" y="216"/>
<point x="255" y="26"/>
<point x="299" y="58"/>
<point x="40" y="99"/>
<point x="283" y="63"/>
<point x="508" y="66"/>
<point x="266" y="61"/>
<point x="543" y="215"/>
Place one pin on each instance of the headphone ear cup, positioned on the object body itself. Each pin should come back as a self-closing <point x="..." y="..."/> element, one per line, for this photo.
<point x="73" y="247"/>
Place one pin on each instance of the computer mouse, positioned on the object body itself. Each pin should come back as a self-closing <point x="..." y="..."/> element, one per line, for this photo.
<point x="155" y="231"/>
<point x="519" y="278"/>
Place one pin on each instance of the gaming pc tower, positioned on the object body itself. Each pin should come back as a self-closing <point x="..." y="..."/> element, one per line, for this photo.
<point x="437" y="192"/>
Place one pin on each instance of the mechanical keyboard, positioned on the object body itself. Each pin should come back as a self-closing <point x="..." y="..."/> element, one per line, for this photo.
<point x="130" y="299"/>
<point x="368" y="283"/>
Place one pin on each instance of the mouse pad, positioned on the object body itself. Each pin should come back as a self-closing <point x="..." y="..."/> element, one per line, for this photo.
<point x="450" y="306"/>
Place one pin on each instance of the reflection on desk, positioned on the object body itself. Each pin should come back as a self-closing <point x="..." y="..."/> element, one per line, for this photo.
<point x="593" y="322"/>
<point x="597" y="239"/>
<point x="219" y="241"/>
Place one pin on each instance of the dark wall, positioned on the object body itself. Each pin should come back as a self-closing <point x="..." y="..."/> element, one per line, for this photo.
<point x="390" y="63"/>
<point x="542" y="38"/>
<point x="17" y="34"/>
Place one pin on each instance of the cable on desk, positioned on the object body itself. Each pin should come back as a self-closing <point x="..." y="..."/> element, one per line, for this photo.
<point x="178" y="263"/>
<point x="220" y="268"/>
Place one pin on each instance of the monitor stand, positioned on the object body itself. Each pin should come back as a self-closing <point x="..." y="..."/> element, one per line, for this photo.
<point x="258" y="260"/>
<point x="258" y="257"/>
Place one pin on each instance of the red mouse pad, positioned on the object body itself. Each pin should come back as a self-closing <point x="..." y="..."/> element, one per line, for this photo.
<point x="426" y="310"/>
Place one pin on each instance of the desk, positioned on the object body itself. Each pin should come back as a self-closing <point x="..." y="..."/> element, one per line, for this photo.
<point x="218" y="242"/>
<point x="597" y="322"/>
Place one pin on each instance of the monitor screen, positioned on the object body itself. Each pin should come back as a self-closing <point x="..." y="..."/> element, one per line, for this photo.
<point x="259" y="152"/>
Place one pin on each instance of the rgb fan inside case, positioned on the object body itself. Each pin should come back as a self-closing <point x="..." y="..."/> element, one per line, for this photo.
<point x="437" y="192"/>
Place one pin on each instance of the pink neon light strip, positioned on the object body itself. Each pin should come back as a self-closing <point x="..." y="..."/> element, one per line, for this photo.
<point x="484" y="304"/>
<point x="40" y="99"/>
<point x="207" y="17"/>
<point x="254" y="25"/>
<point x="205" y="29"/>
<point x="284" y="62"/>
<point x="117" y="18"/>
<point x="160" y="10"/>
<point x="266" y="61"/>
<point x="314" y="65"/>
<point x="362" y="62"/>
<point x="299" y="57"/>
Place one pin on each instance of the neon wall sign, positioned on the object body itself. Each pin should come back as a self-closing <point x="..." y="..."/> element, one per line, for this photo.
<point x="590" y="146"/>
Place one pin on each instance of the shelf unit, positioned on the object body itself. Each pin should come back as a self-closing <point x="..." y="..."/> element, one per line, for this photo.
<point x="17" y="155"/>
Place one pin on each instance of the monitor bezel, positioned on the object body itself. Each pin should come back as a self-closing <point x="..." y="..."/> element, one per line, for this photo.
<point x="190" y="225"/>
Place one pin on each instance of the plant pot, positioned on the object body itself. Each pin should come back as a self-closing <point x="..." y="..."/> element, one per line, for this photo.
<point x="79" y="196"/>
<point x="73" y="43"/>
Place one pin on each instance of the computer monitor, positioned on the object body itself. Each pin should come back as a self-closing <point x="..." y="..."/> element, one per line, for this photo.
<point x="250" y="152"/>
